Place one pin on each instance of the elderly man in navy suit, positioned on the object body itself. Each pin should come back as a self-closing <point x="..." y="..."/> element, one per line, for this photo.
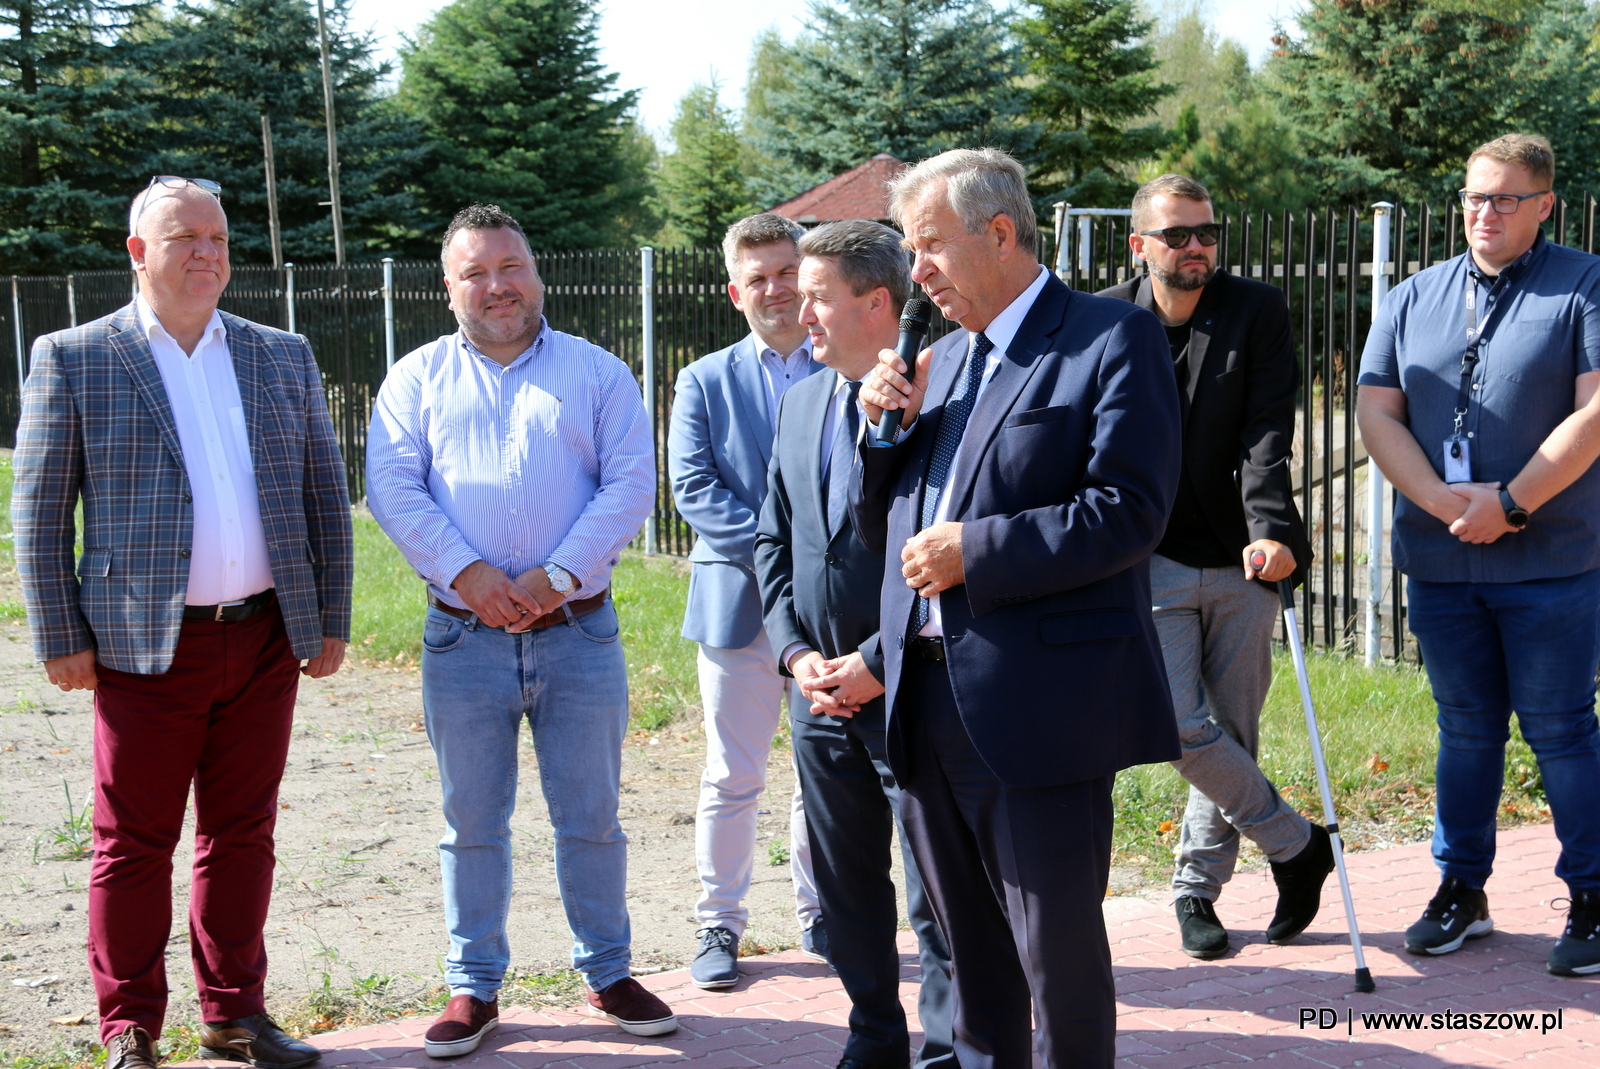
<point x="718" y="448"/>
<point x="819" y="584"/>
<point x="1019" y="504"/>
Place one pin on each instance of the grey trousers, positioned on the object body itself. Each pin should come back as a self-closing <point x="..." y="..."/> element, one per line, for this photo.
<point x="1216" y="637"/>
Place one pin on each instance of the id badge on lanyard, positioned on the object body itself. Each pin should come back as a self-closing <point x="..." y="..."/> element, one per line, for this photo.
<point x="1458" y="447"/>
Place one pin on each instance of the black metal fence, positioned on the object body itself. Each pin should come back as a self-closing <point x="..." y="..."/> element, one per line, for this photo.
<point x="1323" y="260"/>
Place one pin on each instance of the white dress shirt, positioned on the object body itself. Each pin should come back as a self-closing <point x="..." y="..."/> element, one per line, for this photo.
<point x="1001" y="332"/>
<point x="228" y="558"/>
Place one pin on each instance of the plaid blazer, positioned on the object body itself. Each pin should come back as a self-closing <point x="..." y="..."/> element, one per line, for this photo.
<point x="96" y="423"/>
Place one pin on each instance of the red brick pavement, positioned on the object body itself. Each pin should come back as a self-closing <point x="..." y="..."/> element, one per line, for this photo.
<point x="1174" y="1012"/>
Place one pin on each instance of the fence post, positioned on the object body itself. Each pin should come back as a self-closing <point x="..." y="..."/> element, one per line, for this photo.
<point x="288" y="294"/>
<point x="16" y="330"/>
<point x="72" y="303"/>
<point x="1382" y="222"/>
<point x="388" y="312"/>
<point x="647" y="370"/>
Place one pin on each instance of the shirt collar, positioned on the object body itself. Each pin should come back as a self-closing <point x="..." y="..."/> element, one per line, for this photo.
<point x="1003" y="329"/>
<point x="762" y="349"/>
<point x="526" y="354"/>
<point x="150" y="324"/>
<point x="1516" y="267"/>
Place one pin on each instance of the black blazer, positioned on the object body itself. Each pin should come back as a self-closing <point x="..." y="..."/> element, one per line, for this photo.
<point x="1068" y="469"/>
<point x="1237" y="440"/>
<point x="818" y="587"/>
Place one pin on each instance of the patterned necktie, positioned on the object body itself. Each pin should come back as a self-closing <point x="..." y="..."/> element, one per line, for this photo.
<point x="952" y="425"/>
<point x="842" y="458"/>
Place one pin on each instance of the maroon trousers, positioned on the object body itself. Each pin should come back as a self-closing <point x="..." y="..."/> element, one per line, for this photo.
<point x="219" y="719"/>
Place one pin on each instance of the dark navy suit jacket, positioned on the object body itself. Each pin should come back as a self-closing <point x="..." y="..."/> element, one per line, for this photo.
<point x="818" y="586"/>
<point x="1067" y="471"/>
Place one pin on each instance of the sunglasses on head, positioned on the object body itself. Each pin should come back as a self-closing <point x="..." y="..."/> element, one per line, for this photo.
<point x="1177" y="237"/>
<point x="173" y="181"/>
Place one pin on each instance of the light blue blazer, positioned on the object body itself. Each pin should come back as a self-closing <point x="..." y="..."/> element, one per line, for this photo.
<point x="718" y="447"/>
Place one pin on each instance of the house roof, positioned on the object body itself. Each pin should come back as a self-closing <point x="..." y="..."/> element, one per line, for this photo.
<point x="859" y="193"/>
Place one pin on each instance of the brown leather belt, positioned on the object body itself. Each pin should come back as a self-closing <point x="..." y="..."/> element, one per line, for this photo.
<point x="550" y="619"/>
<point x="231" y="612"/>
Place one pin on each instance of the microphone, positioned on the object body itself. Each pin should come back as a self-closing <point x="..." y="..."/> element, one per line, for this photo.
<point x="913" y="328"/>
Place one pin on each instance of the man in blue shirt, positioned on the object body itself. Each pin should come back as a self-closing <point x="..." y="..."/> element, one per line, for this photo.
<point x="1478" y="401"/>
<point x="511" y="463"/>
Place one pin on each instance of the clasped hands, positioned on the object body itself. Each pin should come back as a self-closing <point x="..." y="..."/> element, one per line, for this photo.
<point x="1475" y="514"/>
<point x="500" y="601"/>
<point x="836" y="687"/>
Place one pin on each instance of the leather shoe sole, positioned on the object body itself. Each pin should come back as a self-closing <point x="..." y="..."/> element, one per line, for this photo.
<point x="455" y="1048"/>
<point x="228" y="1054"/>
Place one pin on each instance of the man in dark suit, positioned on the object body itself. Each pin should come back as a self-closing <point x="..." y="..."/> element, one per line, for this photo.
<point x="1233" y="353"/>
<point x="1021" y="663"/>
<point x="216" y="558"/>
<point x="819" y="587"/>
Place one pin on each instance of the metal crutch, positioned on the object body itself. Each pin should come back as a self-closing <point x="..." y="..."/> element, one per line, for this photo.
<point x="1292" y="630"/>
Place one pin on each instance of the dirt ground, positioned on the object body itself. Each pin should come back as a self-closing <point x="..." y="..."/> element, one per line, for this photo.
<point x="357" y="891"/>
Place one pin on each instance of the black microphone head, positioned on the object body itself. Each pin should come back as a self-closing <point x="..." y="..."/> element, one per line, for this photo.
<point x="916" y="315"/>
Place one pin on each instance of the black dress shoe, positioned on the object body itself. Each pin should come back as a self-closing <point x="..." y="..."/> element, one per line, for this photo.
<point x="1204" y="937"/>
<point x="848" y="1062"/>
<point x="131" y="1048"/>
<point x="256" y="1039"/>
<point x="1299" y="883"/>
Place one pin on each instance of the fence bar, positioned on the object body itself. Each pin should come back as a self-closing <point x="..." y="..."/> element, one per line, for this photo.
<point x="388" y="312"/>
<point x="1382" y="219"/>
<point x="288" y="294"/>
<point x="72" y="304"/>
<point x="647" y="361"/>
<point x="16" y="330"/>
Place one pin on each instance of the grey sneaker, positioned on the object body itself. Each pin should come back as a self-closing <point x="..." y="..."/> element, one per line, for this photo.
<point x="716" y="963"/>
<point x="814" y="942"/>
<point x="1577" y="952"/>
<point x="1455" y="914"/>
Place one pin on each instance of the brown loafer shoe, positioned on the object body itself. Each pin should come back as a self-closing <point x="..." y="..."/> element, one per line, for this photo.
<point x="256" y="1039"/>
<point x="461" y="1027"/>
<point x="131" y="1048"/>
<point x="637" y="1011"/>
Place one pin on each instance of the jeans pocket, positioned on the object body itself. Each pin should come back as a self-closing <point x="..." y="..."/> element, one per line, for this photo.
<point x="600" y="626"/>
<point x="442" y="632"/>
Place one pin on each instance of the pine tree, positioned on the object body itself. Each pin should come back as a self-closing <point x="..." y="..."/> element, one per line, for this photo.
<point x="225" y="64"/>
<point x="1094" y="78"/>
<point x="513" y="94"/>
<point x="702" y="187"/>
<point x="76" y="115"/>
<point x="907" y="77"/>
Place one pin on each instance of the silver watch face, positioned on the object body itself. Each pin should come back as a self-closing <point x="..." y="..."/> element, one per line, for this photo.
<point x="560" y="581"/>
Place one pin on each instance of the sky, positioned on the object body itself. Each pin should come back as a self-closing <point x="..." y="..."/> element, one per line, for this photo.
<point x="662" y="47"/>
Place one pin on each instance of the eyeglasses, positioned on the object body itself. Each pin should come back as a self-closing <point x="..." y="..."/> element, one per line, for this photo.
<point x="1177" y="237"/>
<point x="1503" y="203"/>
<point x="173" y="181"/>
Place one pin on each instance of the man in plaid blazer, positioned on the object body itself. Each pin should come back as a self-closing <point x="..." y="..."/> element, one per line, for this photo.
<point x="217" y="557"/>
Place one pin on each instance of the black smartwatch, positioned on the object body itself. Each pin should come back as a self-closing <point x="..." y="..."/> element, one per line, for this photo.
<point x="1516" y="515"/>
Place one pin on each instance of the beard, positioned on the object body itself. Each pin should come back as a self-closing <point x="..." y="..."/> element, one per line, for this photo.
<point x="481" y="330"/>
<point x="1182" y="279"/>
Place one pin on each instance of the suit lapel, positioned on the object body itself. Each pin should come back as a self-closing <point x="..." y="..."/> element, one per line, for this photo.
<point x="751" y="390"/>
<point x="1200" y="329"/>
<point x="133" y="349"/>
<point x="1016" y="367"/>
<point x="949" y="353"/>
<point x="815" y="417"/>
<point x="249" y="357"/>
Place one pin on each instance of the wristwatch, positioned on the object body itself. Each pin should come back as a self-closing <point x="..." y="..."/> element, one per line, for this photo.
<point x="1516" y="515"/>
<point x="561" y="579"/>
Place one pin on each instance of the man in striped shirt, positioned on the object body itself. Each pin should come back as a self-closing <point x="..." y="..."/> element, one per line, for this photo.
<point x="511" y="463"/>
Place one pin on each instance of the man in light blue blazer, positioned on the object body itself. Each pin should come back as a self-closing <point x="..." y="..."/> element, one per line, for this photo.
<point x="718" y="449"/>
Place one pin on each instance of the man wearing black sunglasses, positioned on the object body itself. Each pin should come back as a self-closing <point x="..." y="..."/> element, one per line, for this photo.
<point x="1233" y="353"/>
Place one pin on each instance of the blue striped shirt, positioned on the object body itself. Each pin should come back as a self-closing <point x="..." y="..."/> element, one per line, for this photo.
<point x="546" y="459"/>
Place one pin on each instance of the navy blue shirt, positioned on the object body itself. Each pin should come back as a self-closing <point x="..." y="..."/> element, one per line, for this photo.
<point x="1540" y="323"/>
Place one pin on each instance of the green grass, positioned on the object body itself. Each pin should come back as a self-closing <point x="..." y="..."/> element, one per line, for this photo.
<point x="1379" y="740"/>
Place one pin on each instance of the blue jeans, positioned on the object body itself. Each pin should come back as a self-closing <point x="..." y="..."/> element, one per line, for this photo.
<point x="570" y="683"/>
<point x="1491" y="648"/>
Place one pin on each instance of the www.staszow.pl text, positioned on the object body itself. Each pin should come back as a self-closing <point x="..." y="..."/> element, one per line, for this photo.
<point x="1325" y="1018"/>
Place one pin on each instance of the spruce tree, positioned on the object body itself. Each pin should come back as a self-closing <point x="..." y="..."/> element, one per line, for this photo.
<point x="77" y="118"/>
<point x="523" y="115"/>
<point x="1094" y="79"/>
<point x="702" y="187"/>
<point x="225" y="63"/>
<point x="908" y="77"/>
